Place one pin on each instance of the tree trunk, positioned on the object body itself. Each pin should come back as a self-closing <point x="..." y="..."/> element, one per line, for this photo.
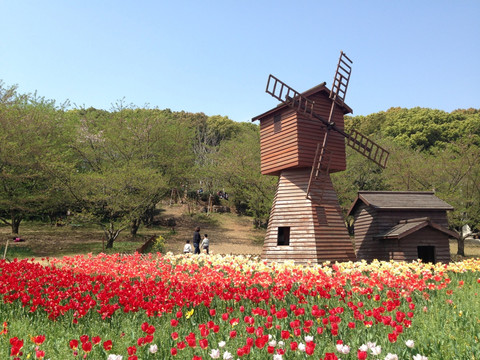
<point x="16" y="220"/>
<point x="111" y="234"/>
<point x="134" y="225"/>
<point x="110" y="242"/>
<point x="461" y="244"/>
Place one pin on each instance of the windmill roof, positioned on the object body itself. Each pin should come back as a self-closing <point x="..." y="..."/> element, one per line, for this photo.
<point x="314" y="90"/>
<point x="407" y="227"/>
<point x="400" y="200"/>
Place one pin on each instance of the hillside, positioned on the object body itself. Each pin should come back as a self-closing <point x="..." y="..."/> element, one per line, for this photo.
<point x="228" y="233"/>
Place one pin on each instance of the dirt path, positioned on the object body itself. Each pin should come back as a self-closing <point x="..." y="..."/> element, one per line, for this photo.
<point x="228" y="233"/>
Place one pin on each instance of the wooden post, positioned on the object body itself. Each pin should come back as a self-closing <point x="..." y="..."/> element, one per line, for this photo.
<point x="5" y="252"/>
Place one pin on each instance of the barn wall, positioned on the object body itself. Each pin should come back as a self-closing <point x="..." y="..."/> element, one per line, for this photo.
<point x="366" y="247"/>
<point x="317" y="230"/>
<point x="406" y="249"/>
<point x="370" y="222"/>
<point x="389" y="218"/>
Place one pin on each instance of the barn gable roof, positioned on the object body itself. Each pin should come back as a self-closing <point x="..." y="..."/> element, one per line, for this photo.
<point x="410" y="226"/>
<point x="316" y="89"/>
<point x="399" y="200"/>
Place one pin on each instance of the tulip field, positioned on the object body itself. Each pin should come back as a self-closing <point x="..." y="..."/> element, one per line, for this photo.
<point x="127" y="307"/>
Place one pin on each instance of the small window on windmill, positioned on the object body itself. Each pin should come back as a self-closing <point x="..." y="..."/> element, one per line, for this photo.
<point x="277" y="123"/>
<point x="283" y="237"/>
<point x="321" y="215"/>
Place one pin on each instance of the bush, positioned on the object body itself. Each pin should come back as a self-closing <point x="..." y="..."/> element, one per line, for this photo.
<point x="159" y="244"/>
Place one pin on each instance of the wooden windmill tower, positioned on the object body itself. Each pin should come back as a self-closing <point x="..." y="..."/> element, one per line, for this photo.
<point x="302" y="141"/>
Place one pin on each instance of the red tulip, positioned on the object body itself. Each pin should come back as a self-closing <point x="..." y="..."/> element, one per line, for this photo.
<point x="87" y="346"/>
<point x="73" y="344"/>
<point x="38" y="340"/>
<point x="107" y="345"/>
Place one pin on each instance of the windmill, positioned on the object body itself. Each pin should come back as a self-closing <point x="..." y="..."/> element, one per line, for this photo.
<point x="302" y="142"/>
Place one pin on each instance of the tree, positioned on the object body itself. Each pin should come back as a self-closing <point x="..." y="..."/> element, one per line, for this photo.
<point x="119" y="178"/>
<point x="237" y="168"/>
<point x="457" y="181"/>
<point x="31" y="142"/>
<point x="117" y="201"/>
<point x="361" y="174"/>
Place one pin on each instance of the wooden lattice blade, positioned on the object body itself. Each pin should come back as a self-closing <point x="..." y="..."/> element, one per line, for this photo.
<point x="368" y="148"/>
<point x="290" y="97"/>
<point x="320" y="168"/>
<point x="302" y="105"/>
<point x="341" y="79"/>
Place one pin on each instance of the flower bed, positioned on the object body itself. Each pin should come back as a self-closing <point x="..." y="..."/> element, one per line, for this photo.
<point x="203" y="307"/>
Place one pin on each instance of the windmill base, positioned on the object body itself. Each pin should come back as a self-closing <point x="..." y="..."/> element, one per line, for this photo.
<point x="306" y="230"/>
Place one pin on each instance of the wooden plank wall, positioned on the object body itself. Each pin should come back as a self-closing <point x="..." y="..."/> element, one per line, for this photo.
<point x="279" y="150"/>
<point x="406" y="249"/>
<point x="370" y="222"/>
<point x="311" y="132"/>
<point x="317" y="229"/>
<point x="366" y="228"/>
<point x="295" y="145"/>
<point x="386" y="218"/>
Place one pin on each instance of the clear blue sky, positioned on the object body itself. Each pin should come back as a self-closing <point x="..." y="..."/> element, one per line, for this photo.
<point x="215" y="56"/>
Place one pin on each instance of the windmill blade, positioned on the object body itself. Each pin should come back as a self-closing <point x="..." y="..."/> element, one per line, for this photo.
<point x="341" y="79"/>
<point x="292" y="98"/>
<point x="368" y="148"/>
<point x="302" y="105"/>
<point x="320" y="167"/>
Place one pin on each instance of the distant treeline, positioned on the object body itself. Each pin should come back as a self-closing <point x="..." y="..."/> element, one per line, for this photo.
<point x="113" y="167"/>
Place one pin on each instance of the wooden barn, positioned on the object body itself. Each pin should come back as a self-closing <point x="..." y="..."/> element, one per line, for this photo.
<point x="303" y="228"/>
<point x="401" y="226"/>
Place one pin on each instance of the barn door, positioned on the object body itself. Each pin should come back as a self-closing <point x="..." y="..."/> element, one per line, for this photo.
<point x="426" y="254"/>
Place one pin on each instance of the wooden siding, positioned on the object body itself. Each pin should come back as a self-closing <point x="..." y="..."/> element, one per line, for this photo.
<point x="294" y="146"/>
<point x="406" y="249"/>
<point x="317" y="229"/>
<point x="365" y="229"/>
<point x="311" y="132"/>
<point x="387" y="219"/>
<point x="279" y="150"/>
<point x="370" y="222"/>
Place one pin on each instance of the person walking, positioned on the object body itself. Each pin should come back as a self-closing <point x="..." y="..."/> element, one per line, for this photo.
<point x="196" y="240"/>
<point x="205" y="243"/>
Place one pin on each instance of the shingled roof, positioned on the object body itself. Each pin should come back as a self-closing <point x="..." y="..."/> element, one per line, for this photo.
<point x="316" y="89"/>
<point x="400" y="200"/>
<point x="407" y="227"/>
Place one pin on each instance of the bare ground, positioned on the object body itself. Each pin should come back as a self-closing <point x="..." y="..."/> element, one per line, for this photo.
<point x="228" y="233"/>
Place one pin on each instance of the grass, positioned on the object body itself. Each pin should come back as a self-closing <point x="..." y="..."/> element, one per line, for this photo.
<point x="43" y="240"/>
<point x="16" y="252"/>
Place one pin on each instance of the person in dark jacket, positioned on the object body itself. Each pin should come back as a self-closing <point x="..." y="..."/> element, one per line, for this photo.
<point x="196" y="240"/>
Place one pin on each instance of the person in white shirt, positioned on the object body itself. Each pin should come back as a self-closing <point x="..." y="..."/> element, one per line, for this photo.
<point x="187" y="248"/>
